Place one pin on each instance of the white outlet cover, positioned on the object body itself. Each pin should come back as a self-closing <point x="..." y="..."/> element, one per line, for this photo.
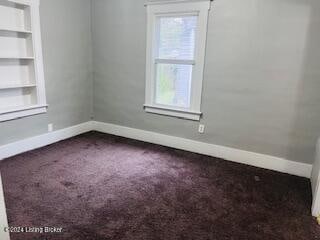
<point x="201" y="128"/>
<point x="50" y="127"/>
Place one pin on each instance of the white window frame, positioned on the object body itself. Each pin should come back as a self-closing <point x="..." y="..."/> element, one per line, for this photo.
<point x="176" y="8"/>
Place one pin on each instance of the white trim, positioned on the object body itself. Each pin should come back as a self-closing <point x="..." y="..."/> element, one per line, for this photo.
<point x="37" y="49"/>
<point x="315" y="182"/>
<point x="227" y="153"/>
<point x="22" y="112"/>
<point x="195" y="116"/>
<point x="3" y="215"/>
<point x="159" y="2"/>
<point x="25" y="2"/>
<point x="39" y="141"/>
<point x="176" y="8"/>
<point x="174" y="61"/>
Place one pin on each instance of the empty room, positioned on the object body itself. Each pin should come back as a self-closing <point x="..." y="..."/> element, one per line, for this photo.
<point x="159" y="120"/>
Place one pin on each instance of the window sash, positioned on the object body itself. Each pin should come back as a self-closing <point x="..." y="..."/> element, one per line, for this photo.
<point x="157" y="30"/>
<point x="176" y="9"/>
<point x="172" y="61"/>
<point x="155" y="103"/>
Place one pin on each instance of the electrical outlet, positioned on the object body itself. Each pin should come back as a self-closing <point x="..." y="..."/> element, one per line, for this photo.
<point x="50" y="127"/>
<point x="201" y="128"/>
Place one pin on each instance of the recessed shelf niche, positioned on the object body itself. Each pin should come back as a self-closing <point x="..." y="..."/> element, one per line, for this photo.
<point x="15" y="15"/>
<point x="17" y="98"/>
<point x="22" y="90"/>
<point x="15" y="44"/>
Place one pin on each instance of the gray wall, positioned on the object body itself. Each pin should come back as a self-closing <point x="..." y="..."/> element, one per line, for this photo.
<point x="66" y="39"/>
<point x="261" y="85"/>
<point x="262" y="75"/>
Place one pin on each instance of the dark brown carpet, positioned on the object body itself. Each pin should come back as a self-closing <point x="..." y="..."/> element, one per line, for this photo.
<point x="98" y="186"/>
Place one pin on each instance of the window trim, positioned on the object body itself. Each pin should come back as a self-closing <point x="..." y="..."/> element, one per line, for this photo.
<point x="177" y="8"/>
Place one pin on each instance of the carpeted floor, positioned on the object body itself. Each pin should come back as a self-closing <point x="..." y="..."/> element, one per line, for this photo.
<point x="96" y="186"/>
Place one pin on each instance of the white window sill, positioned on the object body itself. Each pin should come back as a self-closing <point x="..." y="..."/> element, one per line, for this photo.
<point x="16" y="113"/>
<point x="190" y="115"/>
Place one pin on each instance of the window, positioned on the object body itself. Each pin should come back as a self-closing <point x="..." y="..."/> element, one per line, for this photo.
<point x="175" y="57"/>
<point x="22" y="90"/>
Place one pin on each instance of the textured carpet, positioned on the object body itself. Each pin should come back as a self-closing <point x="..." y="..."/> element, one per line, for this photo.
<point x="96" y="186"/>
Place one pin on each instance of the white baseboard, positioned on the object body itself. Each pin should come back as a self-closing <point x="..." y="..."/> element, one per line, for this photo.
<point x="227" y="153"/>
<point x="28" y="144"/>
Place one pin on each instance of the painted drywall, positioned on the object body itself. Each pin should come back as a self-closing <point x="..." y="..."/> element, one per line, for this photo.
<point x="66" y="39"/>
<point x="262" y="75"/>
<point x="261" y="84"/>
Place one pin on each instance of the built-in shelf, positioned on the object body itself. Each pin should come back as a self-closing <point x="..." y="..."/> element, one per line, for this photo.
<point x="21" y="108"/>
<point x="22" y="90"/>
<point x="22" y="111"/>
<point x="14" y="86"/>
<point x="14" y="4"/>
<point x="3" y="30"/>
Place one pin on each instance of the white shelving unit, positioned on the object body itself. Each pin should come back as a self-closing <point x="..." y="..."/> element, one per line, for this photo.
<point x="22" y="91"/>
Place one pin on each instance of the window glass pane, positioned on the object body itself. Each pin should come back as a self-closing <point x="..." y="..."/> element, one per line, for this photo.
<point x="176" y="37"/>
<point x="173" y="84"/>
